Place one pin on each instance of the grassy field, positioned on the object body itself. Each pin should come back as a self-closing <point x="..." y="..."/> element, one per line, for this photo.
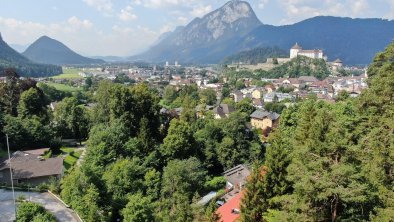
<point x="71" y="158"/>
<point x="69" y="74"/>
<point x="63" y="87"/>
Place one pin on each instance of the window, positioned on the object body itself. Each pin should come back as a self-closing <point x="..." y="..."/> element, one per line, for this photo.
<point x="1" y="175"/>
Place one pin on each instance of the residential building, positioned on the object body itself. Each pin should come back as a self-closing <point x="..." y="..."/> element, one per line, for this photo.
<point x="277" y="97"/>
<point x="308" y="80"/>
<point x="231" y="210"/>
<point x="236" y="177"/>
<point x="223" y="111"/>
<point x="262" y="119"/>
<point x="29" y="167"/>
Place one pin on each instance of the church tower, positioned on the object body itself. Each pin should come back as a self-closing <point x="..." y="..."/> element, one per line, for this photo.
<point x="295" y="50"/>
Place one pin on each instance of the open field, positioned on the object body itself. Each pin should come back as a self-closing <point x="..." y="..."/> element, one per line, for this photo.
<point x="69" y="74"/>
<point x="63" y="87"/>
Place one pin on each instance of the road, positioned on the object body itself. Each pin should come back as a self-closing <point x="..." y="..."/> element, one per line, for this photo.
<point x="61" y="212"/>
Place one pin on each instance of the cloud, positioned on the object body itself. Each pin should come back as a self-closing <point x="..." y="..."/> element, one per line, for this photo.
<point x="182" y="20"/>
<point x="165" y="3"/>
<point x="297" y="10"/>
<point x="359" y="7"/>
<point x="262" y="3"/>
<point x="77" y="23"/>
<point x="104" y="6"/>
<point x="126" y="14"/>
<point x="201" y="10"/>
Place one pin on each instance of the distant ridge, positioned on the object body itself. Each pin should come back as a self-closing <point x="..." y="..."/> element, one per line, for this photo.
<point x="234" y="28"/>
<point x="9" y="58"/>
<point x="50" y="51"/>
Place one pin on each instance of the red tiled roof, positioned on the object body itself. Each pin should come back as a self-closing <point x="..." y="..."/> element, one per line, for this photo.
<point x="226" y="211"/>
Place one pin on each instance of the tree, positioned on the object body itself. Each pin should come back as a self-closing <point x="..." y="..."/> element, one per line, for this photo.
<point x="33" y="103"/>
<point x="123" y="177"/>
<point x="245" y="106"/>
<point x="27" y="133"/>
<point x="182" y="176"/>
<point x="181" y="179"/>
<point x="254" y="201"/>
<point x="10" y="92"/>
<point x="71" y="119"/>
<point x="179" y="142"/>
<point x="138" y="209"/>
<point x="152" y="180"/>
<point x="29" y="211"/>
<point x="208" y="96"/>
<point x="170" y="94"/>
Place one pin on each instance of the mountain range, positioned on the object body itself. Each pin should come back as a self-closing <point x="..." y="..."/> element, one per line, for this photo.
<point x="9" y="58"/>
<point x="50" y="51"/>
<point x="234" y="28"/>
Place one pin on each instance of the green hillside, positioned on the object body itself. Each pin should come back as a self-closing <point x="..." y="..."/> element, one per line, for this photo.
<point x="9" y="58"/>
<point x="300" y="66"/>
<point x="256" y="55"/>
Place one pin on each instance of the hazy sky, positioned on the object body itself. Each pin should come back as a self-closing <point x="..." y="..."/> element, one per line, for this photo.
<point x="126" y="27"/>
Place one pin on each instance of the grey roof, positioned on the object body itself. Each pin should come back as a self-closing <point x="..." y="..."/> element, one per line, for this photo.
<point x="257" y="102"/>
<point x="227" y="109"/>
<point x="37" y="168"/>
<point x="262" y="114"/>
<point x="308" y="79"/>
<point x="237" y="175"/>
<point x="223" y="109"/>
<point x="25" y="165"/>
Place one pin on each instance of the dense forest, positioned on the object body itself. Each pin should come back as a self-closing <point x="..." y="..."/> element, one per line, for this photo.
<point x="330" y="162"/>
<point x="256" y="55"/>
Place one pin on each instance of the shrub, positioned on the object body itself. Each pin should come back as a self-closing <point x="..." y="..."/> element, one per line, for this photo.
<point x="28" y="211"/>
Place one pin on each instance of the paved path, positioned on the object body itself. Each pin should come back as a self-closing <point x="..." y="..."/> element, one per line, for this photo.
<point x="61" y="212"/>
<point x="80" y="159"/>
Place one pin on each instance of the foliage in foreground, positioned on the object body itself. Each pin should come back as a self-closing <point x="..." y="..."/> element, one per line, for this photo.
<point x="33" y="212"/>
<point x="331" y="162"/>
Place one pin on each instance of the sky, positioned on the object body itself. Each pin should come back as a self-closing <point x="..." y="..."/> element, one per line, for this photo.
<point x="128" y="27"/>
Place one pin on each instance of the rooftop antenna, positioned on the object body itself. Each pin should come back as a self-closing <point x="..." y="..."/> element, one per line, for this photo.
<point x="12" y="180"/>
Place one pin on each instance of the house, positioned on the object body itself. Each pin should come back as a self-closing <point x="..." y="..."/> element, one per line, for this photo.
<point x="322" y="87"/>
<point x="262" y="119"/>
<point x="30" y="167"/>
<point x="258" y="103"/>
<point x="236" y="177"/>
<point x="230" y="211"/>
<point x="308" y="80"/>
<point x="257" y="93"/>
<point x="237" y="95"/>
<point x="277" y="97"/>
<point x="223" y="111"/>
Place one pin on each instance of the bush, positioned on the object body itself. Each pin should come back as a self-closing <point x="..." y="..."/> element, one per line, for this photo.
<point x="21" y="198"/>
<point x="54" y="185"/>
<point x="28" y="211"/>
<point x="215" y="184"/>
<point x="55" y="146"/>
<point x="43" y="187"/>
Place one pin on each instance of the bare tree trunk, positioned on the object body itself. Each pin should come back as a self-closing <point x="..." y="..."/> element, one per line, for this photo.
<point x="334" y="208"/>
